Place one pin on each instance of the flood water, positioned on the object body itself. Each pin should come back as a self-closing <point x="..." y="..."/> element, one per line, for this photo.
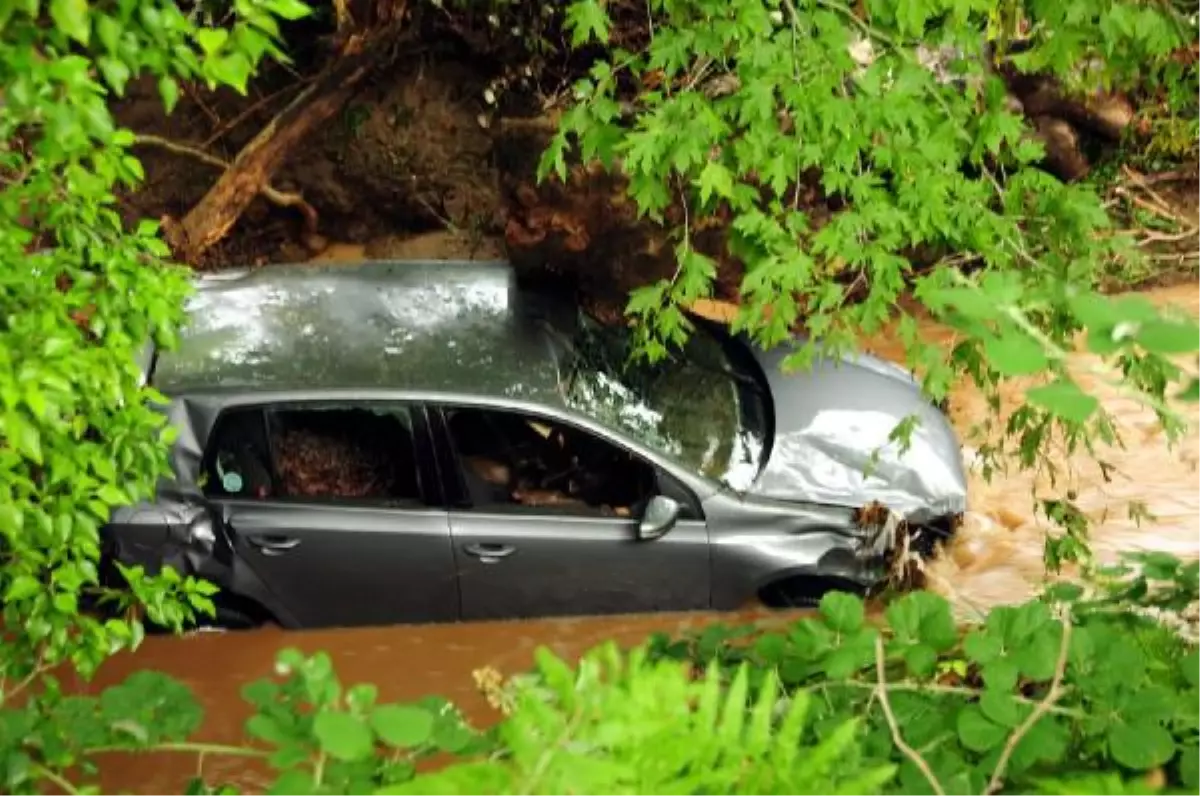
<point x="996" y="558"/>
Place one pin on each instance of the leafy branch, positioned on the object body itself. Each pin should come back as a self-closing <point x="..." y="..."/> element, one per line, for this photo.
<point x="904" y="155"/>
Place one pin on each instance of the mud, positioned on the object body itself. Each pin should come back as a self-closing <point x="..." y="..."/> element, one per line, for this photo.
<point x="995" y="559"/>
<point x="404" y="662"/>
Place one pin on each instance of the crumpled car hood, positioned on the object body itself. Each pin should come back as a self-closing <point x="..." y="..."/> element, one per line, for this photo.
<point x="830" y="419"/>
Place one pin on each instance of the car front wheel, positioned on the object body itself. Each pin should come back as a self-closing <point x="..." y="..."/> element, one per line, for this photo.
<point x="805" y="591"/>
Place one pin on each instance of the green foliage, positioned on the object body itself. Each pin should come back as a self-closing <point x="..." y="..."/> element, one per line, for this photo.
<point x="81" y="296"/>
<point x="901" y="159"/>
<point x="1126" y="699"/>
<point x="623" y="724"/>
<point x="746" y="110"/>
<point x="1083" y="691"/>
<point x="326" y="739"/>
<point x="316" y="736"/>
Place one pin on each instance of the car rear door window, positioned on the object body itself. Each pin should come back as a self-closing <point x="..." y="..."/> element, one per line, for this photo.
<point x="512" y="461"/>
<point x="359" y="453"/>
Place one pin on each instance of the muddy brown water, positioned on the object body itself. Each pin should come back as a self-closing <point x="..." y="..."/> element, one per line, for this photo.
<point x="995" y="559"/>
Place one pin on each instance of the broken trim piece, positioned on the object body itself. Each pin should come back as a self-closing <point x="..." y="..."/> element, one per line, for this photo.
<point x="902" y="547"/>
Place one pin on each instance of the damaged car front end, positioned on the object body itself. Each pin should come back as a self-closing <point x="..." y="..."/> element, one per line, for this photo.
<point x="885" y="505"/>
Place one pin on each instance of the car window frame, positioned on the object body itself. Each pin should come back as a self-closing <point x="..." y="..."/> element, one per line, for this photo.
<point x="457" y="493"/>
<point x="429" y="480"/>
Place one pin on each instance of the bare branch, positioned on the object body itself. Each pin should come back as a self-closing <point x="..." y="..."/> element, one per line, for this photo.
<point x="1040" y="710"/>
<point x="881" y="692"/>
<point x="267" y="191"/>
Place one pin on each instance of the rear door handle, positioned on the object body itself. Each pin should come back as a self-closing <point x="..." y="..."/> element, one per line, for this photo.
<point x="271" y="545"/>
<point x="489" y="552"/>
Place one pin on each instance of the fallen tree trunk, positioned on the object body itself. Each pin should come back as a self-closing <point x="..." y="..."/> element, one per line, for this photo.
<point x="251" y="171"/>
<point x="272" y="194"/>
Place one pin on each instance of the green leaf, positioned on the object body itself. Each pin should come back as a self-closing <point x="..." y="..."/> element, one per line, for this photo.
<point x="983" y="646"/>
<point x="267" y="728"/>
<point x="923" y="617"/>
<point x="842" y="612"/>
<point x="71" y="17"/>
<point x="1189" y="666"/>
<point x="211" y="39"/>
<point x="854" y="655"/>
<point x="12" y="518"/>
<point x="1000" y="707"/>
<point x="290" y="9"/>
<point x="1189" y="766"/>
<point x="402" y="726"/>
<point x="716" y="180"/>
<point x="21" y="587"/>
<point x="1064" y="399"/>
<point x="1037" y="658"/>
<point x="971" y="302"/>
<point x="232" y="69"/>
<point x="343" y="736"/>
<point x="117" y="75"/>
<point x="587" y="20"/>
<point x="1140" y="745"/>
<point x="1168" y="336"/>
<point x="168" y="89"/>
<point x="24" y="436"/>
<point x="1016" y="354"/>
<point x="1045" y="742"/>
<point x="921" y="660"/>
<point x="977" y="732"/>
<point x="1001" y="673"/>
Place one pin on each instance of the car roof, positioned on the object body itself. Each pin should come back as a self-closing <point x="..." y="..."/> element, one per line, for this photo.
<point x="435" y="326"/>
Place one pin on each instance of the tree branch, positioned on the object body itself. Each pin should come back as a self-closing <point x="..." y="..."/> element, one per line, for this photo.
<point x="216" y="213"/>
<point x="897" y="738"/>
<point x="266" y="190"/>
<point x="1042" y="708"/>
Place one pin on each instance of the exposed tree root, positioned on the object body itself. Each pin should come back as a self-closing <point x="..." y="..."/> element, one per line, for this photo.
<point x="216" y="213"/>
<point x="273" y="195"/>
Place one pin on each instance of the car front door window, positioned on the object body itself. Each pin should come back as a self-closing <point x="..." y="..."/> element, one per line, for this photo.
<point x="514" y="462"/>
<point x="548" y="524"/>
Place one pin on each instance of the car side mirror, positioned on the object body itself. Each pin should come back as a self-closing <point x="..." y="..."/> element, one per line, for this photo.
<point x="660" y="516"/>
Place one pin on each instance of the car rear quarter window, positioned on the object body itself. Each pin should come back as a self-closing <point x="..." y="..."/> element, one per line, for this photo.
<point x="356" y="453"/>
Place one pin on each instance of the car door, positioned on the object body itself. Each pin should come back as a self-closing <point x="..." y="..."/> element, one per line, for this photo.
<point x="336" y="509"/>
<point x="520" y="557"/>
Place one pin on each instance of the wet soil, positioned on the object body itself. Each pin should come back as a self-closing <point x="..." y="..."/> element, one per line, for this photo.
<point x="410" y="154"/>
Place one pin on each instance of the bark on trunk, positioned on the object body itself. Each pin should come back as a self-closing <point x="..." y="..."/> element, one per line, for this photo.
<point x="216" y="213"/>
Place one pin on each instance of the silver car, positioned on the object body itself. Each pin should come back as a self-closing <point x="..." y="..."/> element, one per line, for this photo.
<point x="430" y="441"/>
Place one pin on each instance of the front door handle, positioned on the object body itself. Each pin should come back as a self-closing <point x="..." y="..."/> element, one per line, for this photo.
<point x="271" y="545"/>
<point x="489" y="552"/>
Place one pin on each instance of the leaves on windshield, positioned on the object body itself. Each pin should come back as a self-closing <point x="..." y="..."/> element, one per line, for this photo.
<point x="687" y="412"/>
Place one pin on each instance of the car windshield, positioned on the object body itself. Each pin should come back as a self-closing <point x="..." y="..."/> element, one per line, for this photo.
<point x="700" y="407"/>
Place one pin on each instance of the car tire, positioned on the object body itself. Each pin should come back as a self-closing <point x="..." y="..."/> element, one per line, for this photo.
<point x="805" y="591"/>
